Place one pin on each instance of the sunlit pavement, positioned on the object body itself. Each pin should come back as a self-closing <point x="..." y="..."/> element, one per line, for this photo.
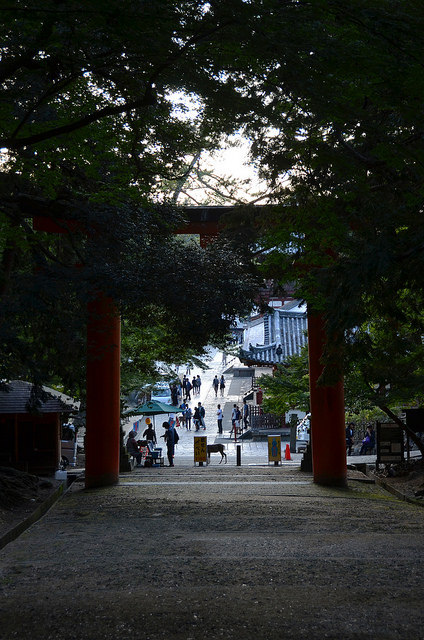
<point x="252" y="453"/>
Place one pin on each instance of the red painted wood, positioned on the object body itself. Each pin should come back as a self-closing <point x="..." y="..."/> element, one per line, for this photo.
<point x="327" y="414"/>
<point x="102" y="438"/>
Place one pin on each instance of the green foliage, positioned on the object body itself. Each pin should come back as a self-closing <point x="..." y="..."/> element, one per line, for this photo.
<point x="339" y="136"/>
<point x="90" y="132"/>
<point x="288" y="387"/>
<point x="331" y="98"/>
<point x="384" y="373"/>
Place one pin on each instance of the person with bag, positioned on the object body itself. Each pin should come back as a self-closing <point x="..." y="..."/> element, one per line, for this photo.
<point x="215" y="384"/>
<point x="169" y="437"/>
<point x="222" y="386"/>
<point x="202" y="415"/>
<point x="197" y="418"/>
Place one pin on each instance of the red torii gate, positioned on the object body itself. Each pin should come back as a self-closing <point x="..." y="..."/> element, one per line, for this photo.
<point x="103" y="380"/>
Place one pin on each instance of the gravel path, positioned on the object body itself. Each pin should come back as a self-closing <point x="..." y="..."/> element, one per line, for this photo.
<point x="223" y="552"/>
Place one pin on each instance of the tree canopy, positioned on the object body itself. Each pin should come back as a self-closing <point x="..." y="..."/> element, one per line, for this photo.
<point x="102" y="103"/>
<point x="90" y="127"/>
<point x="341" y="134"/>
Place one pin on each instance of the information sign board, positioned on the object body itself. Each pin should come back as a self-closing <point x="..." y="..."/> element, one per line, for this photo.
<point x="274" y="448"/>
<point x="200" y="449"/>
<point x="390" y="443"/>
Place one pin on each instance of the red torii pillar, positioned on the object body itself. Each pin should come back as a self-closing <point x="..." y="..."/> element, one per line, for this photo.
<point x="327" y="414"/>
<point x="102" y="437"/>
<point x="103" y="382"/>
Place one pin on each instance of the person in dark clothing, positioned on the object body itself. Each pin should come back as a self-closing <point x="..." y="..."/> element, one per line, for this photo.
<point x="349" y="438"/>
<point x="368" y="442"/>
<point x="149" y="434"/>
<point x="215" y="384"/>
<point x="219" y="418"/>
<point x="197" y="418"/>
<point x="245" y="413"/>
<point x="170" y="442"/>
<point x="222" y="385"/>
<point x="188" y="415"/>
<point x="202" y="413"/>
<point x="174" y="395"/>
<point x="132" y="448"/>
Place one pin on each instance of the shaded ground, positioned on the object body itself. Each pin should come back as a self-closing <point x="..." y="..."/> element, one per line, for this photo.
<point x="20" y="495"/>
<point x="408" y="478"/>
<point x="223" y="552"/>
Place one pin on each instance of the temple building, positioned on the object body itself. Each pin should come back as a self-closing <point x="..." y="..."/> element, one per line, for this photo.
<point x="272" y="338"/>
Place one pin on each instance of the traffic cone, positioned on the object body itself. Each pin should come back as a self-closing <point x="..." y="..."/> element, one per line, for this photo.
<point x="287" y="456"/>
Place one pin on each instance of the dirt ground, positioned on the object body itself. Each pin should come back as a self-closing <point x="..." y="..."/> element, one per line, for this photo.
<point x="408" y="480"/>
<point x="30" y="500"/>
<point x="219" y="553"/>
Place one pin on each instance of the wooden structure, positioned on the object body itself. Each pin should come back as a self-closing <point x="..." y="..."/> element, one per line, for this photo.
<point x="30" y="435"/>
<point x="103" y="379"/>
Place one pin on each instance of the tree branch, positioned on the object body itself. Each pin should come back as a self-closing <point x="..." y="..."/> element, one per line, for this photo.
<point x="10" y="66"/>
<point x="17" y="143"/>
<point x="147" y="100"/>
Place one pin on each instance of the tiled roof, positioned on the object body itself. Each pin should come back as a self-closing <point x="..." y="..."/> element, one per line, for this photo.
<point x="284" y="335"/>
<point x="17" y="397"/>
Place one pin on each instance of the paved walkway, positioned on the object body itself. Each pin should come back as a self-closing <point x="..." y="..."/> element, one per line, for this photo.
<point x="252" y="453"/>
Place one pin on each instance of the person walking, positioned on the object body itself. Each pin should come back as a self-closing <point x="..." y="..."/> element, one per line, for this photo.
<point x="222" y="386"/>
<point x="215" y="384"/>
<point x="174" y="395"/>
<point x="219" y="418"/>
<point x="202" y="413"/>
<point x="245" y="413"/>
<point x="169" y="437"/>
<point x="184" y="387"/>
<point x="238" y="418"/>
<point x="197" y="418"/>
<point x="198" y="384"/>
<point x="188" y="415"/>
<point x="188" y="389"/>
<point x="233" y="419"/>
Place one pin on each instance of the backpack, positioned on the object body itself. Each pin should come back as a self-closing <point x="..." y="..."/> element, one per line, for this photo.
<point x="176" y="436"/>
<point x="202" y="412"/>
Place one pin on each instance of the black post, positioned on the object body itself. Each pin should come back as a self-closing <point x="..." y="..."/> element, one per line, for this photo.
<point x="238" y="455"/>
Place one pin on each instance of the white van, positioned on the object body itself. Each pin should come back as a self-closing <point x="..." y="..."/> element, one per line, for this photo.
<point x="161" y="392"/>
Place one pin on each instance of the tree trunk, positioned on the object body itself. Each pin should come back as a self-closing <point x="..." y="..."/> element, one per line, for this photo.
<point x="411" y="434"/>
